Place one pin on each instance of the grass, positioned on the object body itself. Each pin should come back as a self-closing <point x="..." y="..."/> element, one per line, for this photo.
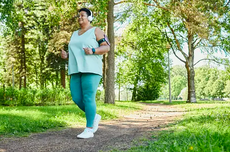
<point x="22" y="121"/>
<point x="181" y="102"/>
<point x="205" y="128"/>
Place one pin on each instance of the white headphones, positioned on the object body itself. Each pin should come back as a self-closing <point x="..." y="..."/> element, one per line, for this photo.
<point x="90" y="18"/>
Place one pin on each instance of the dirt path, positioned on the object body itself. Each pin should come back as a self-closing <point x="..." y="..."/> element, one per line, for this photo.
<point x="115" y="134"/>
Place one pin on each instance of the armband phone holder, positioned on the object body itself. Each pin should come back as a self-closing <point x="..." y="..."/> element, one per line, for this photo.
<point x="105" y="39"/>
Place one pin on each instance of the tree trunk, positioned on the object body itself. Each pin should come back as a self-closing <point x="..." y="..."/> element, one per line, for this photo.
<point x="170" y="99"/>
<point x="42" y="51"/>
<point x="22" y="72"/>
<point x="20" y="77"/>
<point x="134" y="94"/>
<point x="42" y="81"/>
<point x="190" y="71"/>
<point x="36" y="73"/>
<point x="191" y="84"/>
<point x="63" y="77"/>
<point x="57" y="79"/>
<point x="119" y="93"/>
<point x="24" y="54"/>
<point x="109" y="91"/>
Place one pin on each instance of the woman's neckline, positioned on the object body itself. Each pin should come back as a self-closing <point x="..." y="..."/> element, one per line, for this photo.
<point x="84" y="32"/>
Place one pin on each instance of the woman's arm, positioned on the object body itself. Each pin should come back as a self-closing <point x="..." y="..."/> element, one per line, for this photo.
<point x="103" y="48"/>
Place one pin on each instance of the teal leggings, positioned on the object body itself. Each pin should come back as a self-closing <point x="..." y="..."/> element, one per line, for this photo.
<point x="83" y="87"/>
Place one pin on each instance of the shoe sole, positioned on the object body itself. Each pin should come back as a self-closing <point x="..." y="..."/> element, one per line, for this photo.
<point x="84" y="138"/>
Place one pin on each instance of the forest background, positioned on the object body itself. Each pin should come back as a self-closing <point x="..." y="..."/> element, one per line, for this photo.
<point x="142" y="34"/>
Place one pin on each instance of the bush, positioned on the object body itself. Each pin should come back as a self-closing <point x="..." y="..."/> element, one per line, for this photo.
<point x="148" y="92"/>
<point x="26" y="97"/>
<point x="10" y="97"/>
<point x="99" y="95"/>
<point x="42" y="97"/>
<point x="2" y="95"/>
<point x="30" y="97"/>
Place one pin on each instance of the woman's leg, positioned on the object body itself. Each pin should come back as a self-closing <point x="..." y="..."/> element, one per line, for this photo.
<point x="76" y="90"/>
<point x="89" y="84"/>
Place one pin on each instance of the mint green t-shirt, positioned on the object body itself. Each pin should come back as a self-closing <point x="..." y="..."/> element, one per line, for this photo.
<point x="79" y="62"/>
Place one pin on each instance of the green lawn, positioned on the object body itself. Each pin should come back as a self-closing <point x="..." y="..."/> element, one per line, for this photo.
<point x="205" y="128"/>
<point x="21" y="121"/>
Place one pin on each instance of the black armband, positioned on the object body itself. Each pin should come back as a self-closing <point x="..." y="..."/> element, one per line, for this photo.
<point x="105" y="39"/>
<point x="101" y="40"/>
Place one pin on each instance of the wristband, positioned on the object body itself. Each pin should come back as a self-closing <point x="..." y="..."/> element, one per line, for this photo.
<point x="93" y="50"/>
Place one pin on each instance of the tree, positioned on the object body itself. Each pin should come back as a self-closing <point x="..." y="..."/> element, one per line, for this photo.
<point x="2" y="63"/>
<point x="195" y="23"/>
<point x="142" y="58"/>
<point x="179" y="79"/>
<point x="211" y="82"/>
<point x="34" y="32"/>
<point x="202" y="78"/>
<point x="227" y="89"/>
<point x="178" y="83"/>
<point x="15" y="14"/>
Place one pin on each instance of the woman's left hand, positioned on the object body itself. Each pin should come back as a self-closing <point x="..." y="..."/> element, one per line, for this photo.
<point x="88" y="50"/>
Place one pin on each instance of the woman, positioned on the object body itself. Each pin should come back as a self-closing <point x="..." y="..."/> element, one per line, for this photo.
<point x="86" y="47"/>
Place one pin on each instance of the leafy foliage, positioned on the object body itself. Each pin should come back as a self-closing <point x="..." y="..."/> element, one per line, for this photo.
<point x="141" y="54"/>
<point x="34" y="32"/>
<point x="211" y="83"/>
<point x="30" y="97"/>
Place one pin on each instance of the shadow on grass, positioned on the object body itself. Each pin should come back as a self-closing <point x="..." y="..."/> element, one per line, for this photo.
<point x="164" y="102"/>
<point x="206" y="130"/>
<point x="22" y="120"/>
<point x="176" y="102"/>
<point x="130" y="107"/>
<point x="15" y="125"/>
<point x="48" y="111"/>
<point x="106" y="115"/>
<point x="209" y="115"/>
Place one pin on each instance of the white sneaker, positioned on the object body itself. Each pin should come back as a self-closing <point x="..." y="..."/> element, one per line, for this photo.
<point x="87" y="133"/>
<point x="96" y="122"/>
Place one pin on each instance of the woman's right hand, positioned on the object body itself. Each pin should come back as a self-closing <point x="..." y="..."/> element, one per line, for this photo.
<point x="64" y="54"/>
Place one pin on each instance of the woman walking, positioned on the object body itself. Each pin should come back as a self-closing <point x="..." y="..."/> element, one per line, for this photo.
<point x="86" y="47"/>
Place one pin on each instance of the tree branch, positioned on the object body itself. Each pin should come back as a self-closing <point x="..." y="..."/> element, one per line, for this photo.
<point x="194" y="41"/>
<point x="177" y="56"/>
<point x="81" y="2"/>
<point x="197" y="43"/>
<point x="177" y="42"/>
<point x="158" y="5"/>
<point x="121" y="2"/>
<point x="173" y="49"/>
<point x="227" y="3"/>
<point x="206" y="59"/>
<point x="148" y="4"/>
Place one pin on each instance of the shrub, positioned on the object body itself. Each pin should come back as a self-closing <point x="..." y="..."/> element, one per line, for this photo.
<point x="30" y="97"/>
